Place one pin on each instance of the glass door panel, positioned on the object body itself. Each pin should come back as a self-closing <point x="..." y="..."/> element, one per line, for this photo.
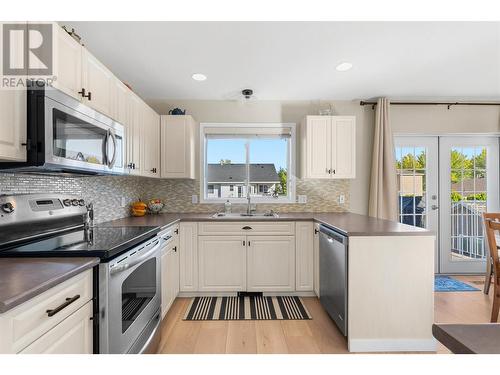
<point x="417" y="176"/>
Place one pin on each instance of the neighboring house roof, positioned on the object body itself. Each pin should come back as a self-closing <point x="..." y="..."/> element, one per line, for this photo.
<point x="236" y="173"/>
<point x="467" y="185"/>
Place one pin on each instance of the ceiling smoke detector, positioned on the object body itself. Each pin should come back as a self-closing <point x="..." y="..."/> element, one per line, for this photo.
<point x="247" y="93"/>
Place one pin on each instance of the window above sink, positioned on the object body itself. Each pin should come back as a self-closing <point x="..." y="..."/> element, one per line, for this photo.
<point x="247" y="159"/>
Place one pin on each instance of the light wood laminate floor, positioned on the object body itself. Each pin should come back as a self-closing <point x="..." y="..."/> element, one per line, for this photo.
<point x="319" y="335"/>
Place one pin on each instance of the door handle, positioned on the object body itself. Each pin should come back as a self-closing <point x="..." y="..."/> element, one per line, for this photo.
<point x="111" y="163"/>
<point x="434" y="207"/>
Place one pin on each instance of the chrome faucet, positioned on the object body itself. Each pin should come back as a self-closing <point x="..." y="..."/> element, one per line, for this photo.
<point x="89" y="217"/>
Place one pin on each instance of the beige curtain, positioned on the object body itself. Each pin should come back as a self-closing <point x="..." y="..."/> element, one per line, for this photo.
<point x="383" y="202"/>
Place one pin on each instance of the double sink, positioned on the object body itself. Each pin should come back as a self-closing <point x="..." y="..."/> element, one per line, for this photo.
<point x="236" y="215"/>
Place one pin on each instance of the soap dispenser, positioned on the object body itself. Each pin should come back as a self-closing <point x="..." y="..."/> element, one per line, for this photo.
<point x="227" y="207"/>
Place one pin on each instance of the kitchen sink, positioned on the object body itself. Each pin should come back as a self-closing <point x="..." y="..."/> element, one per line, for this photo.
<point x="236" y="215"/>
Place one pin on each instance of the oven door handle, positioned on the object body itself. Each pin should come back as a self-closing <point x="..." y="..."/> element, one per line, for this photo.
<point x="126" y="266"/>
<point x="113" y="159"/>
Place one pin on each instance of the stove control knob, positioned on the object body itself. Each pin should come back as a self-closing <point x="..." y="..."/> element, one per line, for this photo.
<point x="8" y="208"/>
<point x="74" y="202"/>
<point x="81" y="202"/>
<point x="67" y="202"/>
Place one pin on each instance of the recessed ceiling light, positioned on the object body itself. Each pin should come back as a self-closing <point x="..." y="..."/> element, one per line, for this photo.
<point x="199" y="77"/>
<point x="343" y="67"/>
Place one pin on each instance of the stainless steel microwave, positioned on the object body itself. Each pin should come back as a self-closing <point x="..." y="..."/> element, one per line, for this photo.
<point x="66" y="136"/>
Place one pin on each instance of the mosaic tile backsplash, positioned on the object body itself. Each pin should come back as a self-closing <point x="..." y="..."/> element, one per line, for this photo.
<point x="106" y="192"/>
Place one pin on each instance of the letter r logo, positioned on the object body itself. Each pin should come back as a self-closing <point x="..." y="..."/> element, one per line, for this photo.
<point x="27" y="49"/>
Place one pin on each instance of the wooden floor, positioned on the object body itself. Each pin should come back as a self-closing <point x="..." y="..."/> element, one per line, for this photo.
<point x="319" y="335"/>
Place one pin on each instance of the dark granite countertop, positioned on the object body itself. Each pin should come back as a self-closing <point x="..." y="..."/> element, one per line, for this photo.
<point x="24" y="278"/>
<point x="347" y="223"/>
<point x="469" y="338"/>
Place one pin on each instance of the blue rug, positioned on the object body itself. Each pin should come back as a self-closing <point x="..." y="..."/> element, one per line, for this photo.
<point x="449" y="284"/>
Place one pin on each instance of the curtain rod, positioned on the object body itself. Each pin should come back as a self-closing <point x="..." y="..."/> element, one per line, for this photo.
<point x="448" y="104"/>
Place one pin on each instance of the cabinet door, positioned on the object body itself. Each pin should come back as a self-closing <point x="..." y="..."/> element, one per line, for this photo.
<point x="120" y="102"/>
<point x="271" y="263"/>
<point x="151" y="143"/>
<point x="98" y="82"/>
<point x="316" y="259"/>
<point x="304" y="256"/>
<point x="177" y="147"/>
<point x="72" y="336"/>
<point x="222" y="263"/>
<point x="343" y="147"/>
<point x="13" y="125"/>
<point x="67" y="63"/>
<point x="188" y="257"/>
<point x="135" y="135"/>
<point x="318" y="146"/>
<point x="169" y="276"/>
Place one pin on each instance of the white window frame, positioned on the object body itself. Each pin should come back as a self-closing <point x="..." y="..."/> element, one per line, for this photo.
<point x="235" y="128"/>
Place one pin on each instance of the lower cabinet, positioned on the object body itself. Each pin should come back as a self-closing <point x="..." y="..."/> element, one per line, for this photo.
<point x="72" y="336"/>
<point x="316" y="258"/>
<point x="222" y="263"/>
<point x="304" y="256"/>
<point x="271" y="263"/>
<point x="169" y="276"/>
<point x="188" y="256"/>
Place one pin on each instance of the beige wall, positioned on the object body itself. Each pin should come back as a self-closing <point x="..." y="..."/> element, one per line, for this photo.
<point x="405" y="119"/>
<point x="288" y="111"/>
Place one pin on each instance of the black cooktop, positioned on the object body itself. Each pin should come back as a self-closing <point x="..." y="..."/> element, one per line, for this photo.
<point x="103" y="242"/>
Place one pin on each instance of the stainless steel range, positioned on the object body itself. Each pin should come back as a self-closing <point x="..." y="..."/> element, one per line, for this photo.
<point x="127" y="283"/>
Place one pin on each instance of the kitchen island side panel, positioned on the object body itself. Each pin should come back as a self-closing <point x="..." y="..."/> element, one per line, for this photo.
<point x="391" y="293"/>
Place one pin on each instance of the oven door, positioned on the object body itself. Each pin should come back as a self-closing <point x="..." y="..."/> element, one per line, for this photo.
<point x="133" y="298"/>
<point x="81" y="139"/>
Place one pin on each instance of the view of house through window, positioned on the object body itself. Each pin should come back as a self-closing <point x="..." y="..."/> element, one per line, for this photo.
<point x="255" y="165"/>
<point x="411" y="172"/>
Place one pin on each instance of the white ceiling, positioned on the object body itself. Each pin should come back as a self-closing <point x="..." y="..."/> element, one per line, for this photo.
<point x="296" y="60"/>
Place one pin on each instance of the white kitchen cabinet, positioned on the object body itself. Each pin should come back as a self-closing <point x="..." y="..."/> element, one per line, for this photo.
<point x="169" y="275"/>
<point x="271" y="263"/>
<point x="222" y="263"/>
<point x="13" y="125"/>
<point x="188" y="256"/>
<point x="328" y="147"/>
<point x="304" y="256"/>
<point x="135" y="134"/>
<point x="98" y="82"/>
<point x="29" y="322"/>
<point x="72" y="336"/>
<point x="316" y="258"/>
<point x="151" y="143"/>
<point x="67" y="63"/>
<point x="120" y="100"/>
<point x="178" y="145"/>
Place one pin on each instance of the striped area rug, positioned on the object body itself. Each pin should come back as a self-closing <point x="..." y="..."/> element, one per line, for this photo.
<point x="247" y="308"/>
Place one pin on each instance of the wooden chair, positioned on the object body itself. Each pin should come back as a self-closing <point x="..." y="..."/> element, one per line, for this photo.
<point x="492" y="225"/>
<point x="489" y="261"/>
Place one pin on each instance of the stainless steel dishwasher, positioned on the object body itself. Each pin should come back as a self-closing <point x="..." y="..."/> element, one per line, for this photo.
<point x="333" y="275"/>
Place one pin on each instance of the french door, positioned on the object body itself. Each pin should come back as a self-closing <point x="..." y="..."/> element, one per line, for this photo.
<point x="417" y="175"/>
<point x="445" y="184"/>
<point x="468" y="186"/>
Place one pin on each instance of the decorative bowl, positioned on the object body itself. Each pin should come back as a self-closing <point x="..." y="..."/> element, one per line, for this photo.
<point x="155" y="206"/>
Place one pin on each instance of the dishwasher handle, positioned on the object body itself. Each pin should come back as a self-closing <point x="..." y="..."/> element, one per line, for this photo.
<point x="332" y="235"/>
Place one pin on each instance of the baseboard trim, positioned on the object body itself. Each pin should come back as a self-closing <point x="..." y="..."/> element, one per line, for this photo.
<point x="388" y="345"/>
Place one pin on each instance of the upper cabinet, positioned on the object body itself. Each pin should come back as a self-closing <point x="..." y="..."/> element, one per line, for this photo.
<point x="151" y="143"/>
<point x="328" y="147"/>
<point x="67" y="63"/>
<point x="97" y="84"/>
<point x="178" y="147"/>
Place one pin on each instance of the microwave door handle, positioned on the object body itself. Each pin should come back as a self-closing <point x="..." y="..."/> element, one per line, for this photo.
<point x="113" y="160"/>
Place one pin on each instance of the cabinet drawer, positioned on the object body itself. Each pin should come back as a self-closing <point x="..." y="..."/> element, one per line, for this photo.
<point x="27" y="322"/>
<point x="72" y="336"/>
<point x="262" y="228"/>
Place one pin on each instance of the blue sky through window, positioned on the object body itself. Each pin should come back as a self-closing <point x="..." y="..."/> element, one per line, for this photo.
<point x="261" y="151"/>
